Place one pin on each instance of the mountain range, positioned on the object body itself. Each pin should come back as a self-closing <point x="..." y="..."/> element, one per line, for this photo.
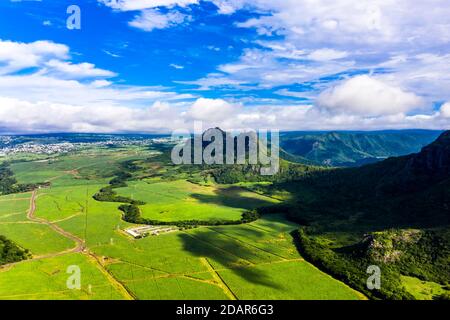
<point x="347" y="149"/>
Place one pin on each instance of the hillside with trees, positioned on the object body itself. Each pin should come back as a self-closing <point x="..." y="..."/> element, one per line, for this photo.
<point x="395" y="214"/>
<point x="350" y="149"/>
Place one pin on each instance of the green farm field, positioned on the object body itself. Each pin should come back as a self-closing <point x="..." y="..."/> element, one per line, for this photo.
<point x="422" y="290"/>
<point x="63" y="225"/>
<point x="45" y="279"/>
<point x="182" y="200"/>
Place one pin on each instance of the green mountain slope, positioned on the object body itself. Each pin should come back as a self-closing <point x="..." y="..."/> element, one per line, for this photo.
<point x="394" y="214"/>
<point x="353" y="148"/>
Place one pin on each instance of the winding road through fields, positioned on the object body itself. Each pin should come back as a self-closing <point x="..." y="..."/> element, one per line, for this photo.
<point x="80" y="247"/>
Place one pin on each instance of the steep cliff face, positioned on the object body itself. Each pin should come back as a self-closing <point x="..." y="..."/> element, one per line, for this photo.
<point x="434" y="159"/>
<point x="416" y="172"/>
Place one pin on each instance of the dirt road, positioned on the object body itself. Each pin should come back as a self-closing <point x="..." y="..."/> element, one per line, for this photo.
<point x="80" y="245"/>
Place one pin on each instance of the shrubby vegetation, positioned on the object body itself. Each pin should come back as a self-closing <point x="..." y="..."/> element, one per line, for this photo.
<point x="107" y="194"/>
<point x="251" y="173"/>
<point x="10" y="252"/>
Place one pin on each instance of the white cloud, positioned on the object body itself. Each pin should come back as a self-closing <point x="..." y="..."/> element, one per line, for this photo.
<point x="114" y="55"/>
<point x="55" y="80"/>
<point x="80" y="70"/>
<point x="176" y="66"/>
<point x="151" y="19"/>
<point x="64" y="91"/>
<point x="21" y="116"/>
<point x="445" y="110"/>
<point x="134" y="5"/>
<point x="326" y="55"/>
<point x="211" y="110"/>
<point x="316" y="39"/>
<point x="228" y="6"/>
<point x="100" y="83"/>
<point x="364" y="95"/>
<point x="362" y="23"/>
<point x="18" y="115"/>
<point x="267" y="70"/>
<point x="213" y="81"/>
<point x="426" y="74"/>
<point x="18" y="55"/>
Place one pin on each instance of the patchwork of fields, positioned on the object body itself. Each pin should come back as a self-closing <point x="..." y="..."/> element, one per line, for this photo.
<point x="182" y="200"/>
<point x="68" y="227"/>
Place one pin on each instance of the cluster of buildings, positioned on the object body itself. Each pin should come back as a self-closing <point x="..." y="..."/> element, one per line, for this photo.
<point x="144" y="231"/>
<point x="11" y="145"/>
<point x="38" y="148"/>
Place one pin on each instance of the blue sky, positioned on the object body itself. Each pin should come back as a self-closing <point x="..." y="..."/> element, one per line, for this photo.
<point x="160" y="65"/>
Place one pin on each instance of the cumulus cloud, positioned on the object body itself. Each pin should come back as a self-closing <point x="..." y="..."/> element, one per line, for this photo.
<point x="445" y="110"/>
<point x="269" y="69"/>
<point x="427" y="74"/>
<point x="311" y="44"/>
<point x="308" y="40"/>
<point x="211" y="110"/>
<point x="56" y="90"/>
<point x="15" y="56"/>
<point x="18" y="115"/>
<point x="22" y="116"/>
<point x="80" y="70"/>
<point x="151" y="19"/>
<point x="322" y="41"/>
<point x="228" y="6"/>
<point x="376" y="23"/>
<point x="365" y="95"/>
<point x="57" y="82"/>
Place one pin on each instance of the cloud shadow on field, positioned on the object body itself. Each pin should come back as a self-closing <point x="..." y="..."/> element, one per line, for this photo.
<point x="228" y="253"/>
<point x="231" y="197"/>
